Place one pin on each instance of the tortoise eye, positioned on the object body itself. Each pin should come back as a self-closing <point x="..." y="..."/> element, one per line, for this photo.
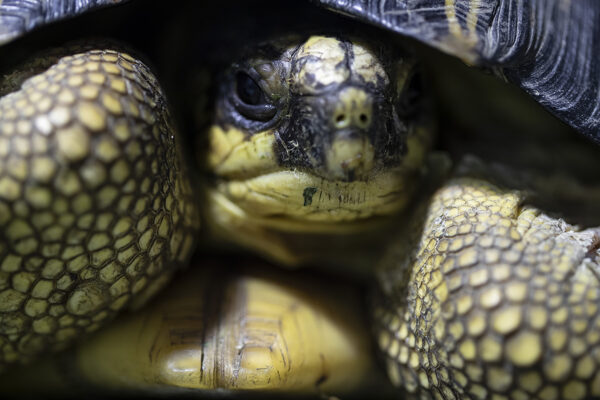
<point x="247" y="90"/>
<point x="250" y="100"/>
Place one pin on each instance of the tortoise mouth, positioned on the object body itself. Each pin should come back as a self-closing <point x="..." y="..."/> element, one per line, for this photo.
<point x="303" y="198"/>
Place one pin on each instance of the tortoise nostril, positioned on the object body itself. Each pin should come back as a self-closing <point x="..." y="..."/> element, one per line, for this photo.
<point x="341" y="120"/>
<point x="345" y="120"/>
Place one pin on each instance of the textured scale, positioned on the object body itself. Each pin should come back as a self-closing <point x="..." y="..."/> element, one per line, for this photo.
<point x="497" y="300"/>
<point x="95" y="206"/>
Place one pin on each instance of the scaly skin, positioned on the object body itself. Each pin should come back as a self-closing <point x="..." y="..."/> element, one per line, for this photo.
<point x="229" y="324"/>
<point x="95" y="207"/>
<point x="496" y="300"/>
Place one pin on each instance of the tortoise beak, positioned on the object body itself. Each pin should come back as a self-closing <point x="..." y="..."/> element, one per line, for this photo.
<point x="350" y="157"/>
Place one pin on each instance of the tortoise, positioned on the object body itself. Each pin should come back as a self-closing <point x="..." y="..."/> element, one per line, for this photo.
<point x="483" y="291"/>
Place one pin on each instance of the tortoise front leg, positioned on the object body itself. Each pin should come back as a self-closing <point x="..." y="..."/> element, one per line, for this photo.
<point x="498" y="300"/>
<point x="95" y="206"/>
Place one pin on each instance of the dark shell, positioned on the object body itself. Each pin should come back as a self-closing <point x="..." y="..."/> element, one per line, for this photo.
<point x="18" y="16"/>
<point x="549" y="48"/>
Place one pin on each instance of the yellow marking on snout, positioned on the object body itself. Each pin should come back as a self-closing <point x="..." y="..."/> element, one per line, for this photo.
<point x="354" y="109"/>
<point x="328" y="66"/>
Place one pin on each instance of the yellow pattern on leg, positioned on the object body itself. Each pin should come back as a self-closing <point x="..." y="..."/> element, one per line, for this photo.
<point x="497" y="299"/>
<point x="95" y="206"/>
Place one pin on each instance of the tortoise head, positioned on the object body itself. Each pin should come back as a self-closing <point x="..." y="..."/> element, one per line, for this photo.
<point x="317" y="134"/>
